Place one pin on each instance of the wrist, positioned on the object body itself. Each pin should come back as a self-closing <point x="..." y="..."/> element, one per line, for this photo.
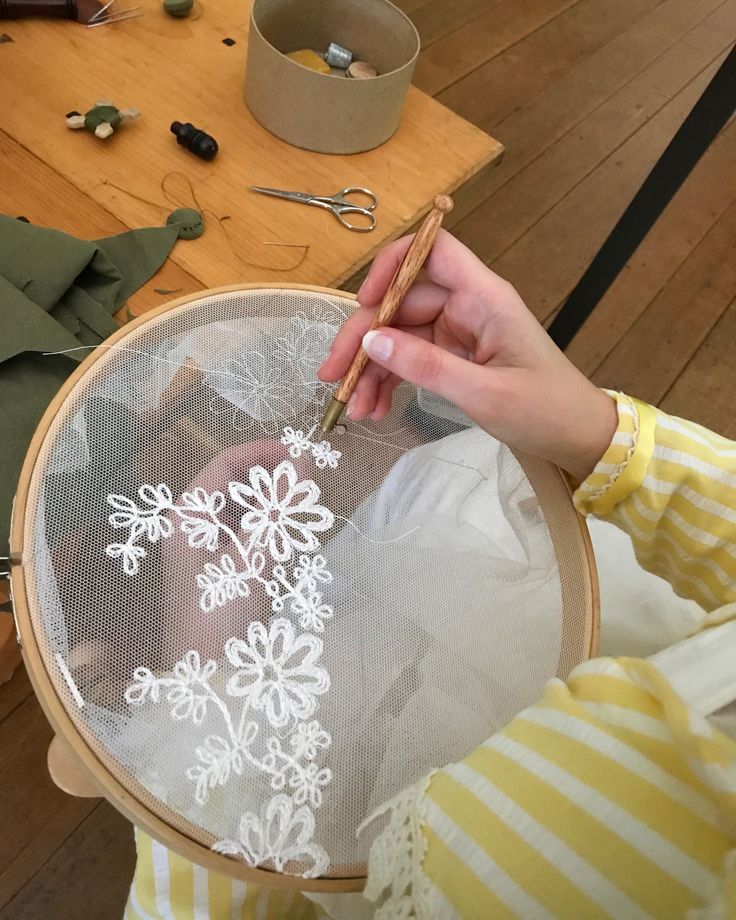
<point x="593" y="429"/>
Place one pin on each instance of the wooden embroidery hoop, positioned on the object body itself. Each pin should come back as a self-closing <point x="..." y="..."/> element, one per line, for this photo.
<point x="80" y="771"/>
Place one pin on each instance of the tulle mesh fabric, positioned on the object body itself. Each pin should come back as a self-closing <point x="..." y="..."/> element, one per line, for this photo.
<point x="264" y="669"/>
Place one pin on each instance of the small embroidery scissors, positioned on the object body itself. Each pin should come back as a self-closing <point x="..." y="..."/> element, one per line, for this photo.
<point x="339" y="203"/>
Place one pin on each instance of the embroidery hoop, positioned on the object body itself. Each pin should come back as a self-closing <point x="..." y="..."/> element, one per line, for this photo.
<point x="100" y="774"/>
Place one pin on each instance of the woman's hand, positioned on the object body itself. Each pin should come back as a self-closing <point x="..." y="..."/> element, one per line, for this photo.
<point x="466" y="335"/>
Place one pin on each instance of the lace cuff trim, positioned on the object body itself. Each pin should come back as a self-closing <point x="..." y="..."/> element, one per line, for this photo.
<point x="611" y="465"/>
<point x="395" y="863"/>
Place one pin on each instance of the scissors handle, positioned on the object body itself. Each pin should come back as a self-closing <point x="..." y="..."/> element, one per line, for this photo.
<point x="341" y="197"/>
<point x="341" y="204"/>
<point x="339" y="210"/>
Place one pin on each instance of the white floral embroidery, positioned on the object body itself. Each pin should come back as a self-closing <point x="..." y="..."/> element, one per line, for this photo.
<point x="307" y="784"/>
<point x="254" y="386"/>
<point x="272" y="390"/>
<point x="183" y="695"/>
<point x="280" y="835"/>
<point x="223" y="583"/>
<point x="274" y="672"/>
<point x="276" y="678"/>
<point x="128" y="552"/>
<point x="296" y="441"/>
<point x="324" y="454"/>
<point x="308" y="737"/>
<point x="305" y="778"/>
<point x="146" y="686"/>
<point x="305" y="344"/>
<point x="322" y="451"/>
<point x="306" y="600"/>
<point x="281" y="513"/>
<point x="201" y="531"/>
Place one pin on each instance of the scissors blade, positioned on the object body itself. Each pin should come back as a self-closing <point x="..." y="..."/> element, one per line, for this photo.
<point x="282" y="193"/>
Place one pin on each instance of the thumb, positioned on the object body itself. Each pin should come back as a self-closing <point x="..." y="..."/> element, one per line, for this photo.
<point x="425" y="365"/>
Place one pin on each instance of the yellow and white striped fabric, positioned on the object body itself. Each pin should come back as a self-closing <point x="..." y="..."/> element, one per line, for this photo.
<point x="168" y="887"/>
<point x="671" y="485"/>
<point x="611" y="797"/>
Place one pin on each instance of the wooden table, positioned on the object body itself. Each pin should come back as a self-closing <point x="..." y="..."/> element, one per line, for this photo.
<point x="179" y="69"/>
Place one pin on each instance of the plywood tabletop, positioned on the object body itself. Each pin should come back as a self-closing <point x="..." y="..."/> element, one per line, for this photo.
<point x="180" y="69"/>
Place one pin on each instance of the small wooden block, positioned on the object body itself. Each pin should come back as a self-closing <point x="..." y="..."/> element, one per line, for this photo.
<point x="68" y="772"/>
<point x="361" y="70"/>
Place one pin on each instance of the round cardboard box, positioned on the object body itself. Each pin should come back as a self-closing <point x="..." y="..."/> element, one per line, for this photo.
<point x="325" y="112"/>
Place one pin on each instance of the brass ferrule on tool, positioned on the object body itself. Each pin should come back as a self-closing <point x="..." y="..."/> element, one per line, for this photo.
<point x="332" y="415"/>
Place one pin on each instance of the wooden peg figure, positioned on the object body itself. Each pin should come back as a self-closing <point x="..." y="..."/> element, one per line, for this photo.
<point x="103" y="118"/>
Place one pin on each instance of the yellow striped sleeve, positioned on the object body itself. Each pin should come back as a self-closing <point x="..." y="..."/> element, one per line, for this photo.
<point x="609" y="798"/>
<point x="671" y="485"/>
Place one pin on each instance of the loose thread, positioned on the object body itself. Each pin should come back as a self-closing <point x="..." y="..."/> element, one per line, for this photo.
<point x="142" y="354"/>
<point x="176" y="202"/>
<point x="379" y="441"/>
<point x="368" y="539"/>
<point x="66" y="674"/>
<point x="132" y="195"/>
<point x="212" y="372"/>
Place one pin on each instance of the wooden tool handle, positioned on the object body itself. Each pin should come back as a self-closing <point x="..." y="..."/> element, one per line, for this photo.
<point x="406" y="275"/>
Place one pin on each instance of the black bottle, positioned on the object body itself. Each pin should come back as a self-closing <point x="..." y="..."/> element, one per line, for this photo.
<point x="200" y="144"/>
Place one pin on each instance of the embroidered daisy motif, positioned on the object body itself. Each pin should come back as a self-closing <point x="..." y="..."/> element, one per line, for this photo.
<point x="307" y="784"/>
<point x="277" y="671"/>
<point x="255" y="387"/>
<point x="282" y="513"/>
<point x="308" y="737"/>
<point x="305" y="344"/>
<point x="312" y="569"/>
<point x="296" y="441"/>
<point x="325" y="455"/>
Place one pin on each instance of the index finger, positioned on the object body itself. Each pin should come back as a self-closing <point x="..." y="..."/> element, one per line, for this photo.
<point x="418" y="309"/>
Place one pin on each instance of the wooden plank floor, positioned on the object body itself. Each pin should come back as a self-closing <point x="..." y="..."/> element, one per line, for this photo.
<point x="585" y="94"/>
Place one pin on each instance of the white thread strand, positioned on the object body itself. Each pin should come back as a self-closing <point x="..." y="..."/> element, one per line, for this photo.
<point x="66" y="674"/>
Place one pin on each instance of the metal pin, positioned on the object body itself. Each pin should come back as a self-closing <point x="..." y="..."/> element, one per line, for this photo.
<point x="132" y="13"/>
<point x="101" y="11"/>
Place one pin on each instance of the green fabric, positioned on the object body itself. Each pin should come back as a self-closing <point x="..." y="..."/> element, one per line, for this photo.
<point x="57" y="293"/>
<point x="101" y="114"/>
<point x="178" y="7"/>
<point x="191" y="223"/>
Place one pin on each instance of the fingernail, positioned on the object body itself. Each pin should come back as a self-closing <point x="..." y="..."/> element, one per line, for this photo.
<point x="350" y="406"/>
<point x="378" y="346"/>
